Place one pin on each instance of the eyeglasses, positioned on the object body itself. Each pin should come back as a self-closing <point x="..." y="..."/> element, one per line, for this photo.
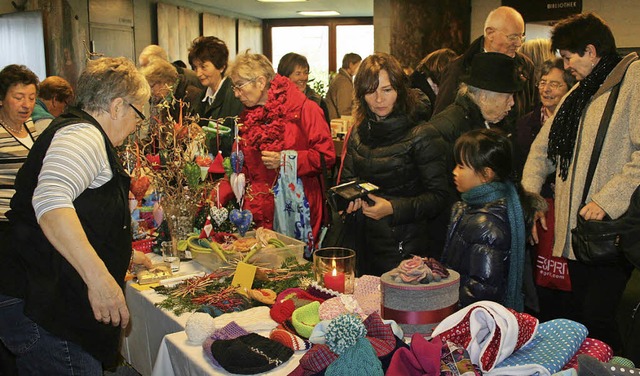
<point x="514" y="37"/>
<point x="140" y="114"/>
<point x="239" y="87"/>
<point x="552" y="84"/>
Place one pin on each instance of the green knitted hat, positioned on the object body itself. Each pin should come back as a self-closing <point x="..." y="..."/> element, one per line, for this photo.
<point x="305" y="318"/>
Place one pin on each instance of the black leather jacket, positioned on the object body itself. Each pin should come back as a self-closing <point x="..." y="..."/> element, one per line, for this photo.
<point x="407" y="161"/>
<point x="478" y="247"/>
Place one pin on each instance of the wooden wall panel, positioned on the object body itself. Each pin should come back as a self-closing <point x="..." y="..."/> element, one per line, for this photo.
<point x="223" y="28"/>
<point x="177" y="28"/>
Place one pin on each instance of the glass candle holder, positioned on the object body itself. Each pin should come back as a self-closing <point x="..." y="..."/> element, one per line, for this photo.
<point x="334" y="268"/>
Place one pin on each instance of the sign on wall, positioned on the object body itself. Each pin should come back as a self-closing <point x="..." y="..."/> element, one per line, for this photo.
<point x="545" y="10"/>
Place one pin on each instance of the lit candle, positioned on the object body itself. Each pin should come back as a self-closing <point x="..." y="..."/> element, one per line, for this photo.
<point x="334" y="279"/>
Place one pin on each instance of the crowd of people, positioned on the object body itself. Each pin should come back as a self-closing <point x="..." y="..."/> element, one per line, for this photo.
<point x="468" y="155"/>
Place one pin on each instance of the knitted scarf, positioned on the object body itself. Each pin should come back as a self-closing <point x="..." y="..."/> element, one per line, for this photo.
<point x="490" y="192"/>
<point x="562" y="136"/>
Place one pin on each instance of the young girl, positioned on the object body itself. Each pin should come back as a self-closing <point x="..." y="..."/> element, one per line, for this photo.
<point x="486" y="236"/>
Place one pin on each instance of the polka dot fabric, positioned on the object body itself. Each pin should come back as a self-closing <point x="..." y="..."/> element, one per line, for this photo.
<point x="555" y="343"/>
<point x="592" y="347"/>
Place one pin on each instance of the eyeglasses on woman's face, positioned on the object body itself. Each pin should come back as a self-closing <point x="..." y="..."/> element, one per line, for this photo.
<point x="138" y="113"/>
<point x="552" y="84"/>
<point x="237" y="88"/>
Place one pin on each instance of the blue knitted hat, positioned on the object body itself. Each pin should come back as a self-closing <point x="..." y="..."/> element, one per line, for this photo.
<point x="346" y="337"/>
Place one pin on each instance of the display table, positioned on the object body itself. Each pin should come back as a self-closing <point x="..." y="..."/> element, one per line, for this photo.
<point x="149" y="324"/>
<point x="178" y="357"/>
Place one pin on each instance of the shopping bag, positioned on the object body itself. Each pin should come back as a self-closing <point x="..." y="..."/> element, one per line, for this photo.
<point x="550" y="271"/>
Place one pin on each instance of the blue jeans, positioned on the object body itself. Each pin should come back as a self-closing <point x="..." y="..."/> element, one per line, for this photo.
<point x="37" y="351"/>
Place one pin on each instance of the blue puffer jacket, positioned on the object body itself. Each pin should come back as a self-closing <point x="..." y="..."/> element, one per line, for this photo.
<point x="478" y="247"/>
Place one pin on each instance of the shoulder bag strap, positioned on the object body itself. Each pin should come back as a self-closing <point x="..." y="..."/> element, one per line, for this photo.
<point x="602" y="132"/>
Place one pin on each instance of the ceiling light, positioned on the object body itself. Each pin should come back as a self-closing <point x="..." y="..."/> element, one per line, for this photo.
<point x="318" y="13"/>
<point x="281" y="1"/>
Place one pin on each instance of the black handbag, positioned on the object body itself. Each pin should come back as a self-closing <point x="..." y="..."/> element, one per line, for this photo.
<point x="604" y="242"/>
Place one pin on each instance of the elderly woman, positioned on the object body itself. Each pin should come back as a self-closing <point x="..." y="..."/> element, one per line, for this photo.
<point x="402" y="156"/>
<point x="209" y="57"/>
<point x="69" y="245"/>
<point x="296" y="68"/>
<point x="280" y="126"/>
<point x="167" y="83"/>
<point x="564" y="147"/>
<point x="554" y="82"/>
<point x="18" y="90"/>
<point x="485" y="98"/>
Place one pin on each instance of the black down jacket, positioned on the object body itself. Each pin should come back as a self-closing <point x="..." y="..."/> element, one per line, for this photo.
<point x="478" y="247"/>
<point x="408" y="162"/>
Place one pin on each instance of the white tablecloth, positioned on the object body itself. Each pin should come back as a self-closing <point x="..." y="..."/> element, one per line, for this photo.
<point x="149" y="324"/>
<point x="177" y="357"/>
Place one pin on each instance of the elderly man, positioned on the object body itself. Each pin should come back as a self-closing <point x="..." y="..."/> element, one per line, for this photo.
<point x="54" y="95"/>
<point x="340" y="94"/>
<point x="503" y="33"/>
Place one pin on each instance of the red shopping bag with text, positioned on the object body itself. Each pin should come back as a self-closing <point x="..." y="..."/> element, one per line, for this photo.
<point x="550" y="272"/>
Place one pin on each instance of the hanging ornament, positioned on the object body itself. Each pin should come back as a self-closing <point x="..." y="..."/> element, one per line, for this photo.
<point x="241" y="219"/>
<point x="237" y="161"/>
<point x="219" y="215"/>
<point x="206" y="230"/>
<point x="192" y="173"/>
<point x="216" y="167"/>
<point x="238" y="184"/>
<point x="226" y="164"/>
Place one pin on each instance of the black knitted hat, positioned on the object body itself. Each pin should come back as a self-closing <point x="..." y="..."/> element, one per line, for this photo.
<point x="250" y="354"/>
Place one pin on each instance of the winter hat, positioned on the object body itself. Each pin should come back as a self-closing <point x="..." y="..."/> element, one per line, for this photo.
<point x="493" y="71"/>
<point x="229" y="331"/>
<point x="305" y="318"/>
<point x="289" y="339"/>
<point x="316" y="290"/>
<point x="198" y="327"/>
<point x="334" y="307"/>
<point x="250" y="354"/>
<point x="346" y="337"/>
<point x="367" y="293"/>
<point x="288" y="301"/>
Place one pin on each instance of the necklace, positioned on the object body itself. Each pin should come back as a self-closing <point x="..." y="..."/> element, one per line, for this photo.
<point x="11" y="129"/>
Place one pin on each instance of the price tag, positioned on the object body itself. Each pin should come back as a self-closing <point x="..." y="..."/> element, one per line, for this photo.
<point x="243" y="279"/>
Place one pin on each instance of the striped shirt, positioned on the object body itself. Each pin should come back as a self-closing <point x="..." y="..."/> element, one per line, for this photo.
<point x="13" y="154"/>
<point x="75" y="161"/>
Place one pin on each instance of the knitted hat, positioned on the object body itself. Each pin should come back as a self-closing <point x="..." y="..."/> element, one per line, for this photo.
<point x="250" y="354"/>
<point x="229" y="331"/>
<point x="305" y="318"/>
<point x="334" y="307"/>
<point x="198" y="327"/>
<point x="346" y="337"/>
<point x="288" y="301"/>
<point x="289" y="339"/>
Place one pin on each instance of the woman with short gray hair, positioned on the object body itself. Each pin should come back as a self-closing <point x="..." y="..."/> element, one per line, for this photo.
<point x="69" y="243"/>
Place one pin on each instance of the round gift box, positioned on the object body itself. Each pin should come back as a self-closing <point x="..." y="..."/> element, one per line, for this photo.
<point x="419" y="308"/>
